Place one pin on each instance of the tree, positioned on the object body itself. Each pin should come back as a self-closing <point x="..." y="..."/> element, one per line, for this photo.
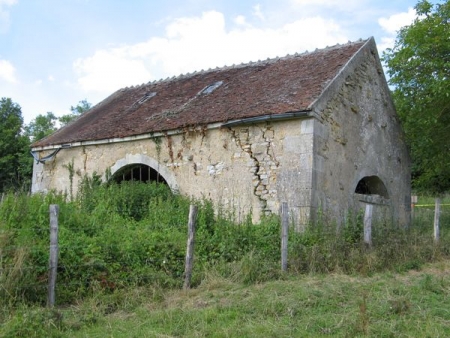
<point x="419" y="70"/>
<point x="41" y="126"/>
<point x="13" y="170"/>
<point x="77" y="111"/>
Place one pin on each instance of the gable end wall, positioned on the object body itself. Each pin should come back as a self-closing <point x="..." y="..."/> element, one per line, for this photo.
<point x="358" y="134"/>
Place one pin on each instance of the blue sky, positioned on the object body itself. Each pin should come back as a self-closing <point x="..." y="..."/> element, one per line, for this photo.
<point x="54" y="53"/>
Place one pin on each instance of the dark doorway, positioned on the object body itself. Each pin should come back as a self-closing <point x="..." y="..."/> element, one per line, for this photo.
<point x="138" y="172"/>
<point x="371" y="185"/>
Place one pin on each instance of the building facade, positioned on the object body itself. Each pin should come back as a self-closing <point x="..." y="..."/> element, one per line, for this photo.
<point x="316" y="130"/>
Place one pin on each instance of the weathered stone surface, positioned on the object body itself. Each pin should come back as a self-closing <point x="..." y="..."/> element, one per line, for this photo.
<point x="360" y="137"/>
<point x="313" y="163"/>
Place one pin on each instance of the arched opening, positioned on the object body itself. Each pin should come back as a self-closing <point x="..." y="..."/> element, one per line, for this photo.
<point x="122" y="170"/>
<point x="371" y="185"/>
<point x="138" y="172"/>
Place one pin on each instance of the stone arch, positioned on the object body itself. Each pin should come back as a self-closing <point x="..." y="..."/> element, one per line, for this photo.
<point x="136" y="159"/>
<point x="371" y="185"/>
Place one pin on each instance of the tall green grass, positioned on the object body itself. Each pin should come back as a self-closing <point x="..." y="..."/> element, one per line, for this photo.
<point x="117" y="237"/>
<point x="325" y="249"/>
<point x="385" y="305"/>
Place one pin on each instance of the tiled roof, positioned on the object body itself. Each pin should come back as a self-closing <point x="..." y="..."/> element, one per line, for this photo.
<point x="271" y="87"/>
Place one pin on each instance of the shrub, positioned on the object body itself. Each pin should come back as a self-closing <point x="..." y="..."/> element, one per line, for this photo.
<point x="113" y="236"/>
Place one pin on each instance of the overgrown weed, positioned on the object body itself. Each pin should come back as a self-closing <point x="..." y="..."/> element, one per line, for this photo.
<point x="120" y="237"/>
<point x="325" y="249"/>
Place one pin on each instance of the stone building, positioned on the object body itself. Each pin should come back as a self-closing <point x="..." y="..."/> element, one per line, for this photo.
<point x="317" y="130"/>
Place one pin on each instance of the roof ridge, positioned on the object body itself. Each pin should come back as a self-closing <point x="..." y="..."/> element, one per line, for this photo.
<point x="243" y="64"/>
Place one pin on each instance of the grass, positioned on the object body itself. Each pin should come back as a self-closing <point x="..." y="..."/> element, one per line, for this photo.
<point x="412" y="304"/>
<point x="121" y="266"/>
<point x="424" y="211"/>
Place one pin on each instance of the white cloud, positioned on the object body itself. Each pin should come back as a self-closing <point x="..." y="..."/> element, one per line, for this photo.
<point x="197" y="43"/>
<point x="7" y="71"/>
<point x="314" y="2"/>
<point x="240" y="20"/>
<point x="4" y="14"/>
<point x="258" y="13"/>
<point x="308" y="4"/>
<point x="7" y="2"/>
<point x="209" y="25"/>
<point x="392" y="25"/>
<point x="109" y="70"/>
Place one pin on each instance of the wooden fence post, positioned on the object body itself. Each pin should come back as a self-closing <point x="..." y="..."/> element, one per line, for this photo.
<point x="437" y="211"/>
<point x="53" y="260"/>
<point x="413" y="205"/>
<point x="284" y="235"/>
<point x="368" y="224"/>
<point x="190" y="246"/>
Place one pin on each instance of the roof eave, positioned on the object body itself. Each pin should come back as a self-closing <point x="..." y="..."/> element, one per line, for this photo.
<point x="229" y="124"/>
<point x="266" y="118"/>
<point x="149" y="135"/>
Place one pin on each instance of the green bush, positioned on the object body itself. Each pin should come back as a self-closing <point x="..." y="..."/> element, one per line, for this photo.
<point x="114" y="236"/>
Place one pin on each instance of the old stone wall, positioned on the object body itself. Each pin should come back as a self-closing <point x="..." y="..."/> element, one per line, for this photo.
<point x="246" y="169"/>
<point x="312" y="163"/>
<point x="358" y="135"/>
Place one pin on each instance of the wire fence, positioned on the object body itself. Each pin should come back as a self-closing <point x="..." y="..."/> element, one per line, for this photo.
<point x="42" y="267"/>
<point x="429" y="208"/>
<point x="72" y="273"/>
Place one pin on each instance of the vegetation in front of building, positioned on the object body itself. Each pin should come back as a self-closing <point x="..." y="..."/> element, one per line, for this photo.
<point x="130" y="238"/>
<point x="122" y="247"/>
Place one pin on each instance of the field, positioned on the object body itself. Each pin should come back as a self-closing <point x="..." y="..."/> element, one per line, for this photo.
<point x="121" y="265"/>
<point x="410" y="304"/>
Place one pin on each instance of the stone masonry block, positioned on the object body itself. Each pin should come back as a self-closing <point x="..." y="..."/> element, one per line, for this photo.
<point x="307" y="126"/>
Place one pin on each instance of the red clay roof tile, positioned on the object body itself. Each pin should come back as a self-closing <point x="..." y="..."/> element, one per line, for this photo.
<point x="267" y="87"/>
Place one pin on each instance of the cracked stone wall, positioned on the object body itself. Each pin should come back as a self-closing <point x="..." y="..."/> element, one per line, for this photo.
<point x="238" y="168"/>
<point x="258" y="147"/>
<point x="312" y="164"/>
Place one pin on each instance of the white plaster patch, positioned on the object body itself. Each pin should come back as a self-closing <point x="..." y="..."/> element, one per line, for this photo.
<point x="215" y="169"/>
<point x="307" y="126"/>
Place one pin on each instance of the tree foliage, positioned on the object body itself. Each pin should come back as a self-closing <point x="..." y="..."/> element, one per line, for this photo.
<point x="77" y="111"/>
<point x="14" y="168"/>
<point x="419" y="70"/>
<point x="16" y="163"/>
<point x="41" y="126"/>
